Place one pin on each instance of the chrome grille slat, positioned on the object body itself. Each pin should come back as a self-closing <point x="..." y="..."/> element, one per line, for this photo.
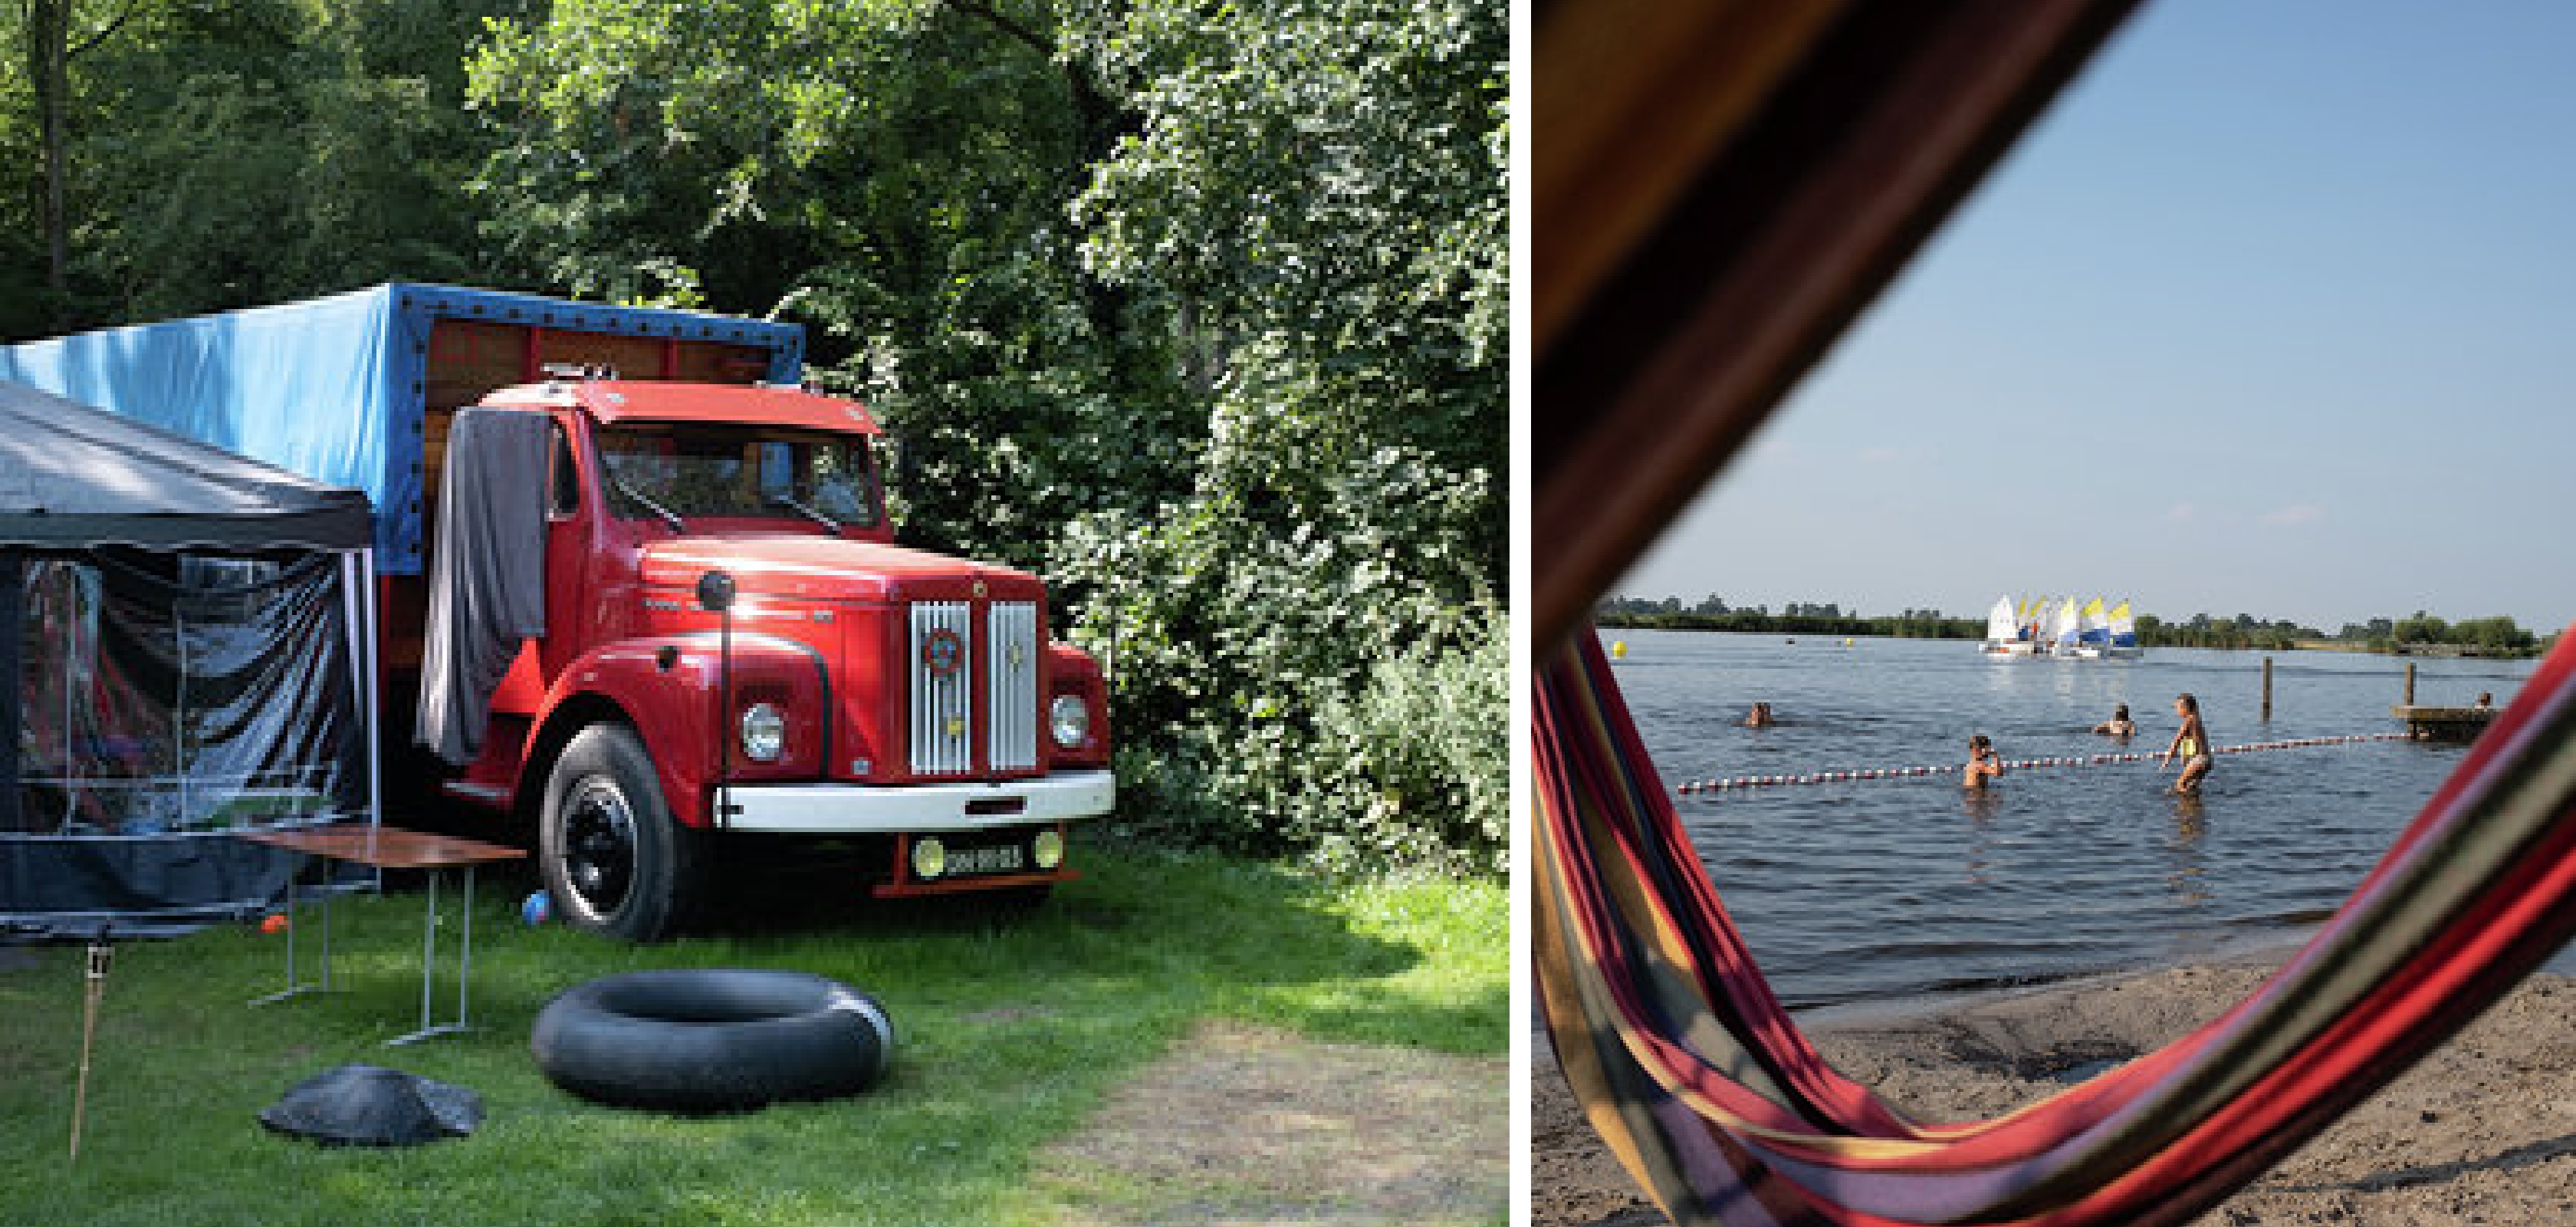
<point x="1011" y="685"/>
<point x="943" y="716"/>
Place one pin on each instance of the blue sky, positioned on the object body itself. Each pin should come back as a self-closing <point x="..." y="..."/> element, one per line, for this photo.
<point x="2274" y="312"/>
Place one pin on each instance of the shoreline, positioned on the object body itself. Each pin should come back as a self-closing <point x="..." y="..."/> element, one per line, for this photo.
<point x="2482" y="1130"/>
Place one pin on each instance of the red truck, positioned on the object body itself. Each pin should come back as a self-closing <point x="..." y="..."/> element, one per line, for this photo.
<point x="734" y="647"/>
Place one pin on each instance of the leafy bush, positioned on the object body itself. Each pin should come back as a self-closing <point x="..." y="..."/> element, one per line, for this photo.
<point x="1416" y="767"/>
<point x="1326" y="675"/>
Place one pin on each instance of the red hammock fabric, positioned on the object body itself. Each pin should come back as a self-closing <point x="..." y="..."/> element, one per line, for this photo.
<point x="1701" y="1084"/>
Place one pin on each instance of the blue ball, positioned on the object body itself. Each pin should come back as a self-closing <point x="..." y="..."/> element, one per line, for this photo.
<point x="534" y="910"/>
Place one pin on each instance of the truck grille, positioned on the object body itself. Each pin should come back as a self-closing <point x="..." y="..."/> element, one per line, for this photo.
<point x="945" y="668"/>
<point x="1011" y="685"/>
<point x="943" y="717"/>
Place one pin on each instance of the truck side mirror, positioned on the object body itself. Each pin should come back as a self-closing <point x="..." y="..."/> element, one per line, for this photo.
<point x="715" y="592"/>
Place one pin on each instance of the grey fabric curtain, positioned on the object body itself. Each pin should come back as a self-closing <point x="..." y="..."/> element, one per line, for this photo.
<point x="487" y="572"/>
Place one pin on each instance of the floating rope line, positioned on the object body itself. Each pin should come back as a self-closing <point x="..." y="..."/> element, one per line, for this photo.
<point x="2024" y="764"/>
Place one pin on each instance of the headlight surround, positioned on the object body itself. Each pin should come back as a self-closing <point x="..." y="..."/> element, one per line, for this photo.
<point x="1069" y="720"/>
<point x="929" y="858"/>
<point x="764" y="733"/>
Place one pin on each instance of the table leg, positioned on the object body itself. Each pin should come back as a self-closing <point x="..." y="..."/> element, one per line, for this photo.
<point x="327" y="892"/>
<point x="428" y="966"/>
<point x="429" y="963"/>
<point x="295" y="984"/>
<point x="465" y="949"/>
<point x="429" y="949"/>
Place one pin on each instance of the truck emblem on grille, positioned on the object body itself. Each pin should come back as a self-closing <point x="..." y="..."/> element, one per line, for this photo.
<point x="943" y="653"/>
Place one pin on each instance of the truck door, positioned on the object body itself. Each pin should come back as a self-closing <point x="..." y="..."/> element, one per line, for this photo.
<point x="570" y="537"/>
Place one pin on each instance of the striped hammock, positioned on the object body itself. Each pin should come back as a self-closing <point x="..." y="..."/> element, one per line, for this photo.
<point x="1708" y="1094"/>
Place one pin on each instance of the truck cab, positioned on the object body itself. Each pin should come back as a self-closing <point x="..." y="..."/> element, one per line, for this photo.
<point x="736" y="648"/>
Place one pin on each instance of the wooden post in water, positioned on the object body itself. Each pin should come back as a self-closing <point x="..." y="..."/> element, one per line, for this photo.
<point x="2410" y="683"/>
<point x="2267" y="690"/>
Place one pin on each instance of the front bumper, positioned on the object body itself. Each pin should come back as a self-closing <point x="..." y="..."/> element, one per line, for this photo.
<point x="852" y="809"/>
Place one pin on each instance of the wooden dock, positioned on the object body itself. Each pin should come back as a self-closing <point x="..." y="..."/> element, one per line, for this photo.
<point x="2444" y="723"/>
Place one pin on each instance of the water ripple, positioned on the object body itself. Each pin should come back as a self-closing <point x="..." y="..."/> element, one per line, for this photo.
<point x="1851" y="890"/>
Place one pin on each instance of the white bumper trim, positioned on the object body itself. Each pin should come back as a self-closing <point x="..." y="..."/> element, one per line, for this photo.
<point x="843" y="809"/>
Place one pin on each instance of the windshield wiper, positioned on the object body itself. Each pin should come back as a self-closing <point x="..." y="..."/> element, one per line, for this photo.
<point x="667" y="515"/>
<point x="790" y="500"/>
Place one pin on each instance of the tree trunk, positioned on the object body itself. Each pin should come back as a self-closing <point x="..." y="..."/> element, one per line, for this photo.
<point x="1102" y="122"/>
<point x="48" y="62"/>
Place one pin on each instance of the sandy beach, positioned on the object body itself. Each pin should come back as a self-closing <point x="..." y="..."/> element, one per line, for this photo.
<point x="2482" y="1131"/>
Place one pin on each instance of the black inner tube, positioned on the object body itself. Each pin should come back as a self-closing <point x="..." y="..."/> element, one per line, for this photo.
<point x="713" y="1039"/>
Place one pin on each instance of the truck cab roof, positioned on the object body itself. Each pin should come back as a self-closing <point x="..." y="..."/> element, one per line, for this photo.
<point x="612" y="401"/>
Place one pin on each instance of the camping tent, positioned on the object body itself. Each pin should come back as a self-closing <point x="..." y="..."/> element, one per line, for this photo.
<point x="185" y="641"/>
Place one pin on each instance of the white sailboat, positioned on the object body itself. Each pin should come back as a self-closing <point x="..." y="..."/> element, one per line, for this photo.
<point x="2124" y="634"/>
<point x="2092" y="631"/>
<point x="2065" y="624"/>
<point x="2005" y="634"/>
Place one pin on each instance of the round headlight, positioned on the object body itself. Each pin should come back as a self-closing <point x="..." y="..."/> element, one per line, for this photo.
<point x="764" y="733"/>
<point x="929" y="857"/>
<point x="1047" y="849"/>
<point x="1069" y="718"/>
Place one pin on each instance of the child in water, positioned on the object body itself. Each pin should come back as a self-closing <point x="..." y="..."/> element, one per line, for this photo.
<point x="1982" y="763"/>
<point x="1760" y="717"/>
<point x="2119" y="725"/>
<point x="2191" y="741"/>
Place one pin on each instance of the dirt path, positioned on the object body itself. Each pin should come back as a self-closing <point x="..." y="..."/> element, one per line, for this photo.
<point x="1246" y="1126"/>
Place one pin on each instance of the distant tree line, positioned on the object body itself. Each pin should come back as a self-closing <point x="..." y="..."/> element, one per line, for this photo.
<point x="2420" y="635"/>
<point x="1713" y="614"/>
<point x="2423" y="634"/>
<point x="2239" y="633"/>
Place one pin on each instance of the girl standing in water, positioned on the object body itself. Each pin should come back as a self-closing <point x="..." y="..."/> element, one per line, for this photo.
<point x="2191" y="741"/>
<point x="1982" y="763"/>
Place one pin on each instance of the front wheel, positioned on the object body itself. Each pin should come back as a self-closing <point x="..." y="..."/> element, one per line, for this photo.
<point x="613" y="857"/>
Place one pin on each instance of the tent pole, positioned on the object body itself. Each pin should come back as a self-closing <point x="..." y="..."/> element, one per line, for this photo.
<point x="13" y="611"/>
<point x="365" y="632"/>
<point x="179" y="718"/>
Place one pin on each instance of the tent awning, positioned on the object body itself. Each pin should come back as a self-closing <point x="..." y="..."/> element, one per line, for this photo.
<point x="76" y="477"/>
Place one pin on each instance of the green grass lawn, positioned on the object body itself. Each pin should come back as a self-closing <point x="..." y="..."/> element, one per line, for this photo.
<point x="1008" y="1033"/>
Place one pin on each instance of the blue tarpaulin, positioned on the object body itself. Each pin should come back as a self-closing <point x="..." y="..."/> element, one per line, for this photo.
<point x="333" y="388"/>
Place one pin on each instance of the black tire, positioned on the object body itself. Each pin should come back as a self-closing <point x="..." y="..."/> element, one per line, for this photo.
<point x="614" y="859"/>
<point x="712" y="1039"/>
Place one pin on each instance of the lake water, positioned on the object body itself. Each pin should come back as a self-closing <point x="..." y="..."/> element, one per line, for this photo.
<point x="1883" y="889"/>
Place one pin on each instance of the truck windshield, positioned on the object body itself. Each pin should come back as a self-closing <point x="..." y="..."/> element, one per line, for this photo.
<point x="734" y="473"/>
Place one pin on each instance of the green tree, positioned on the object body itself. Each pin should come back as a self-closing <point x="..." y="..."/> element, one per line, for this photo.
<point x="1317" y="196"/>
<point x="896" y="174"/>
<point x="51" y="38"/>
<point x="2422" y="628"/>
<point x="1202" y="311"/>
<point x="259" y="150"/>
<point x="25" y="310"/>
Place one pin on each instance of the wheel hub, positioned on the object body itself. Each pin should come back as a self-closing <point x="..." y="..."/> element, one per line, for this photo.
<point x="599" y="845"/>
